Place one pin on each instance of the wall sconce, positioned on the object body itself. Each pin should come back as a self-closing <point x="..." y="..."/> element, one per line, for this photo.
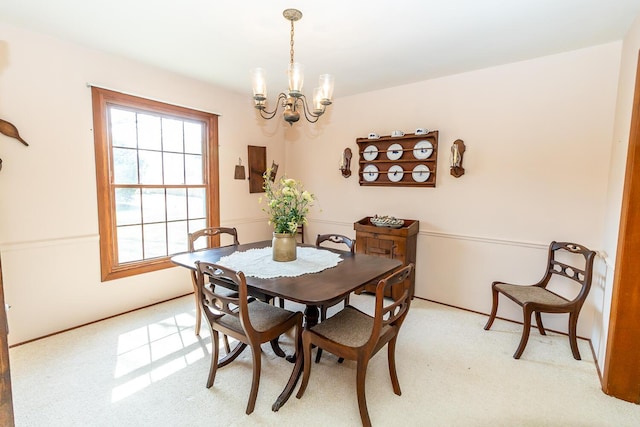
<point x="274" y="171"/>
<point x="239" y="172"/>
<point x="457" y="154"/>
<point x="345" y="163"/>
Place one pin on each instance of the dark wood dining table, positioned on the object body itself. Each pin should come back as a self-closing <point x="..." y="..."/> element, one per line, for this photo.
<point x="313" y="290"/>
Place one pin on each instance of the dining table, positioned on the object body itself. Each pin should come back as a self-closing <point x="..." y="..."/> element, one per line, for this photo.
<point x="313" y="290"/>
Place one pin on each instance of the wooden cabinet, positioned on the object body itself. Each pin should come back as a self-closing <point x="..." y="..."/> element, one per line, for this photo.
<point x="396" y="243"/>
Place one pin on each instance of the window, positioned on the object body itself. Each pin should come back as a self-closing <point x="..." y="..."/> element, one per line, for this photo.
<point x="157" y="180"/>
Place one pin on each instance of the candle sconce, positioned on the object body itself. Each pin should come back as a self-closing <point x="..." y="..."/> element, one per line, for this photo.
<point x="239" y="172"/>
<point x="274" y="171"/>
<point x="457" y="153"/>
<point x="345" y="163"/>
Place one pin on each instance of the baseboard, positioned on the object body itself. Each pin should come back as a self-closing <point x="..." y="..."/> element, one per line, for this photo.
<point x="96" y="321"/>
<point x="519" y="323"/>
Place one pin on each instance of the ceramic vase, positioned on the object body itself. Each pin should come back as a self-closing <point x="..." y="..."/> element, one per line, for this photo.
<point x="284" y="247"/>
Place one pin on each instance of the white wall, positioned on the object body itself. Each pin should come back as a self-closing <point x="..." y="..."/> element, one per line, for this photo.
<point x="538" y="137"/>
<point x="48" y="217"/>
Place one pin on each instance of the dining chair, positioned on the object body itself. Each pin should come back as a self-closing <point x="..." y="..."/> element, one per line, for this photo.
<point x="538" y="299"/>
<point x="355" y="335"/>
<point x="250" y="321"/>
<point x="224" y="287"/>
<point x="338" y="239"/>
<point x="194" y="240"/>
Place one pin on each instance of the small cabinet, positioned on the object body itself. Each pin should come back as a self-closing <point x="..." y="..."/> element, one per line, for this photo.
<point x="396" y="243"/>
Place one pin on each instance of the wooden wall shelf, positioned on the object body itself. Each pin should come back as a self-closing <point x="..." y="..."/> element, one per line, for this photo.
<point x="408" y="161"/>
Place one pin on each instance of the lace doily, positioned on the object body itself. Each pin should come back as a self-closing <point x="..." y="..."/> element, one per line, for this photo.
<point x="259" y="262"/>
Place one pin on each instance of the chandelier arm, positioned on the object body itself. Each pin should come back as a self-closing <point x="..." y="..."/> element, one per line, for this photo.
<point x="268" y="114"/>
<point x="271" y="114"/>
<point x="305" y="108"/>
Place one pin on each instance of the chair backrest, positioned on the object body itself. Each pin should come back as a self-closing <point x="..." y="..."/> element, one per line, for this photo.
<point x="582" y="274"/>
<point x="215" y="305"/>
<point x="336" y="238"/>
<point x="390" y="313"/>
<point x="209" y="233"/>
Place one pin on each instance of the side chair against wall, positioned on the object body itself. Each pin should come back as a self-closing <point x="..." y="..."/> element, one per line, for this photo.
<point x="538" y="299"/>
<point x="351" y="245"/>
<point x="251" y="321"/>
<point x="357" y="336"/>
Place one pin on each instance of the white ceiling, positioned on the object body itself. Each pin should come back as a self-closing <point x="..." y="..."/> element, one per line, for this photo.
<point x="366" y="45"/>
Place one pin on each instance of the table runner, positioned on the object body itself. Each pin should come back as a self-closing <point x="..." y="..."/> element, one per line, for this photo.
<point x="259" y="262"/>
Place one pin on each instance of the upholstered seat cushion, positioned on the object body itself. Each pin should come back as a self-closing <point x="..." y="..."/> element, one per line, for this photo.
<point x="349" y="327"/>
<point x="263" y="316"/>
<point x="533" y="294"/>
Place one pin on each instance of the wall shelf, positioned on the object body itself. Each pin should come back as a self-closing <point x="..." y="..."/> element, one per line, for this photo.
<point x="407" y="161"/>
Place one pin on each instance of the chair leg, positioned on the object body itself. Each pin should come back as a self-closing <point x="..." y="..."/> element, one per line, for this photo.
<point x="198" y="315"/>
<point x="239" y="348"/>
<point x="255" y="383"/>
<point x="391" y="349"/>
<point x="573" y="326"/>
<point x="214" y="358"/>
<point x="323" y="316"/>
<point x="539" y="323"/>
<point x="306" y="353"/>
<point x="275" y="346"/>
<point x="494" y="308"/>
<point x="227" y="348"/>
<point x="360" y="388"/>
<point x="525" y="332"/>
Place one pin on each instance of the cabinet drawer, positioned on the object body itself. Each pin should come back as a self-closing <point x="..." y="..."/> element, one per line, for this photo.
<point x="379" y="247"/>
<point x="389" y="248"/>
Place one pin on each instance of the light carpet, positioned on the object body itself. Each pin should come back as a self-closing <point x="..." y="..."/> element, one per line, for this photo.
<point x="147" y="368"/>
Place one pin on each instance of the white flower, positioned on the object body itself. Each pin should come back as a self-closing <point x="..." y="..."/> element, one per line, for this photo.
<point x="288" y="203"/>
<point x="307" y="196"/>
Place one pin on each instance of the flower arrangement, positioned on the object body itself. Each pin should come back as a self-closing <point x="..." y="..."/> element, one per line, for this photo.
<point x="288" y="203"/>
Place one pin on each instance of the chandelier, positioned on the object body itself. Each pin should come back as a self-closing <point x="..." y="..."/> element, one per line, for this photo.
<point x="294" y="100"/>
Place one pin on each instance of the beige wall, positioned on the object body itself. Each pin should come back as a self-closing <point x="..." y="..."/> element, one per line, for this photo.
<point x="622" y="125"/>
<point x="48" y="218"/>
<point x="538" y="136"/>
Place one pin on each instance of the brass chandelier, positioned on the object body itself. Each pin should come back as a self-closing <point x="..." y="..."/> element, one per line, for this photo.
<point x="293" y="100"/>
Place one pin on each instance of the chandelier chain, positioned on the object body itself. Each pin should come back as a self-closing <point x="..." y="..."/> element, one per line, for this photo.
<point x="291" y="51"/>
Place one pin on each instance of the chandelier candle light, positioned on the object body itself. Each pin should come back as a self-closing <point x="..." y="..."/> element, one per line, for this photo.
<point x="294" y="99"/>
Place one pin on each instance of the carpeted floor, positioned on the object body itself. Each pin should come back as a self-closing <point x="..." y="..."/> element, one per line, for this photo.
<point x="147" y="368"/>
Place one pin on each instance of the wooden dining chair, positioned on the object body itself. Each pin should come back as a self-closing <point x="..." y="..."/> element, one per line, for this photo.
<point x="251" y="321"/>
<point x="355" y="335"/>
<point x="538" y="299"/>
<point x="196" y="238"/>
<point x="228" y="288"/>
<point x="337" y="239"/>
